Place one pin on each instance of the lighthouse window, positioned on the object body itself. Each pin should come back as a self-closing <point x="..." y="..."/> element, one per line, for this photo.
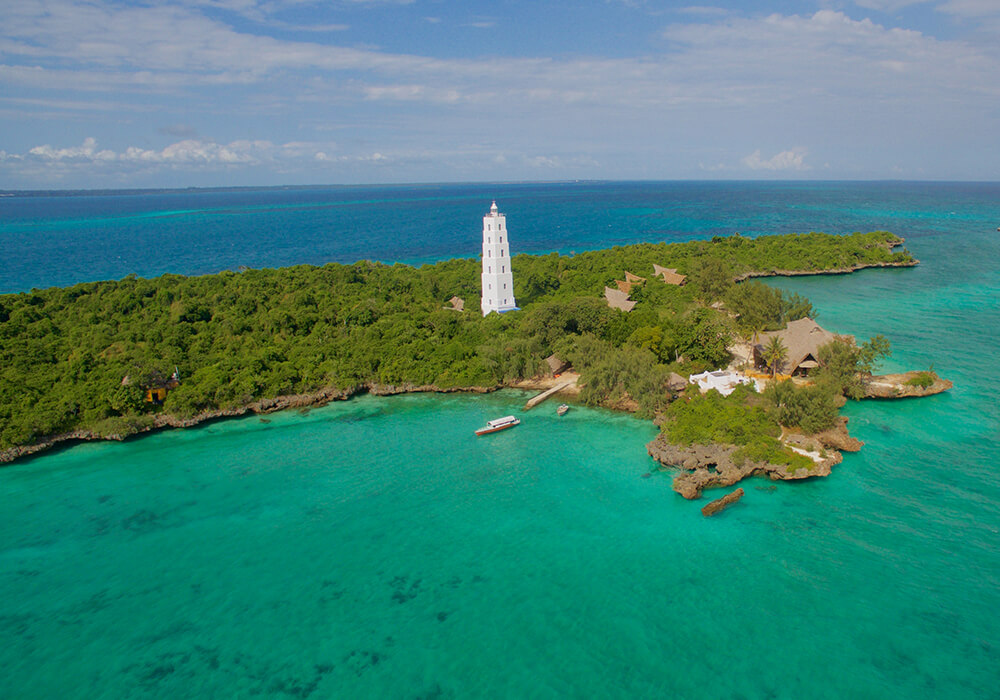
<point x="489" y="268"/>
<point x="503" y="268"/>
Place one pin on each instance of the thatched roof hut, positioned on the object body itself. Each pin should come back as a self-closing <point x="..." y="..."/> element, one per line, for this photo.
<point x="556" y="365"/>
<point x="676" y="382"/>
<point x="802" y="339"/>
<point x="456" y="304"/>
<point x="669" y="275"/>
<point x="618" y="299"/>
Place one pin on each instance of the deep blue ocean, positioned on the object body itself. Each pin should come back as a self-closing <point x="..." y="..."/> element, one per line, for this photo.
<point x="376" y="548"/>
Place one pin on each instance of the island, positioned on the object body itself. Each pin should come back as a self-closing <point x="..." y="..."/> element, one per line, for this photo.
<point x="112" y="359"/>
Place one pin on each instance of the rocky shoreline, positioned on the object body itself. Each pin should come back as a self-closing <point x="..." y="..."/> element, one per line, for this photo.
<point x="894" y="243"/>
<point x="904" y="386"/>
<point x="830" y="271"/>
<point x="320" y="397"/>
<point x="707" y="466"/>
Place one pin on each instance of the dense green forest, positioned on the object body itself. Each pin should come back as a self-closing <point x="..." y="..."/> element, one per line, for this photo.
<point x="83" y="357"/>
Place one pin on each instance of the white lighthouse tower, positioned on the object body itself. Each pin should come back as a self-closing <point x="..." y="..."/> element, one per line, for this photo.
<point x="498" y="282"/>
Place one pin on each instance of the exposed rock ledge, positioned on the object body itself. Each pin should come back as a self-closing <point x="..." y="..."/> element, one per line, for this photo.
<point x="829" y="271"/>
<point x="705" y="466"/>
<point x="896" y="386"/>
<point x="278" y="403"/>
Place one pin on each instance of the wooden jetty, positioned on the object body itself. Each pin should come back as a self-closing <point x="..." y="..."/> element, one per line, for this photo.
<point x="535" y="400"/>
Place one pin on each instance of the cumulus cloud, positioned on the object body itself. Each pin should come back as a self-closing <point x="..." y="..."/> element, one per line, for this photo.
<point x="190" y="155"/>
<point x="786" y="160"/>
<point x="186" y="152"/>
<point x="193" y="151"/>
<point x="87" y="152"/>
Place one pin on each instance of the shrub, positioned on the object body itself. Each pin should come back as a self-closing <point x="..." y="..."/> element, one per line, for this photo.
<point x="922" y="379"/>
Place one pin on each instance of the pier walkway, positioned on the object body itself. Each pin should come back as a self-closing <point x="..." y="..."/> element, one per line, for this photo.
<point x="534" y="401"/>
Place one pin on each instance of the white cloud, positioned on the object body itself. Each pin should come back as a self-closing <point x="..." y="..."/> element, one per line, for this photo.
<point x="721" y="82"/>
<point x="87" y="152"/>
<point x="192" y="155"/>
<point x="186" y="152"/>
<point x="202" y="152"/>
<point x="735" y="61"/>
<point x="786" y="160"/>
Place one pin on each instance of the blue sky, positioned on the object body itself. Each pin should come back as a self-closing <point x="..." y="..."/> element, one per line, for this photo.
<point x="99" y="93"/>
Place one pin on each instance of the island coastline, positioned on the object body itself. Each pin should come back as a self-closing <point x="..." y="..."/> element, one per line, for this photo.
<point x="727" y="467"/>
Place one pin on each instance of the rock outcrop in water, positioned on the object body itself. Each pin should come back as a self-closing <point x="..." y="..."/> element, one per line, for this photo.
<point x="721" y="504"/>
<point x="906" y="385"/>
<point x="706" y="466"/>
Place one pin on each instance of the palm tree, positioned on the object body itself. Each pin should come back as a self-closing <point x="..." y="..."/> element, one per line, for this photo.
<point x="775" y="354"/>
<point x="758" y="328"/>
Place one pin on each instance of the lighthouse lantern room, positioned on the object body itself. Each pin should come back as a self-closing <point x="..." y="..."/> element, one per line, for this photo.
<point x="498" y="282"/>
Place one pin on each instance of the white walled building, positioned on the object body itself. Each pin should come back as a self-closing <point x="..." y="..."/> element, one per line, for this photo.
<point x="723" y="381"/>
<point x="497" y="280"/>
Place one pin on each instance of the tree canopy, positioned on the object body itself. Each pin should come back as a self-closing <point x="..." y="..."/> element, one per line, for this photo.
<point x="82" y="357"/>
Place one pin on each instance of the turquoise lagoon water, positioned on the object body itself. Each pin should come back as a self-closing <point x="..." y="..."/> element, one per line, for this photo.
<point x="376" y="548"/>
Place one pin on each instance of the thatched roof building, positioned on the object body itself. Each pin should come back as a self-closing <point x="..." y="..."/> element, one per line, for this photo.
<point x="456" y="304"/>
<point x="676" y="382"/>
<point x="802" y="339"/>
<point x="669" y="275"/>
<point x="618" y="299"/>
<point x="630" y="281"/>
<point x="556" y="365"/>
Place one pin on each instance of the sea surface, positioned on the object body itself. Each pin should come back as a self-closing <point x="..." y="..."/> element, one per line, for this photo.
<point x="376" y="548"/>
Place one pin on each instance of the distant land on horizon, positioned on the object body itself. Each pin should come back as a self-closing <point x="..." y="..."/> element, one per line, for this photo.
<point x="102" y="191"/>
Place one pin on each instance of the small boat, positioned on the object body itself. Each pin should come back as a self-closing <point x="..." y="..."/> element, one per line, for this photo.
<point x="498" y="424"/>
<point x="561" y="411"/>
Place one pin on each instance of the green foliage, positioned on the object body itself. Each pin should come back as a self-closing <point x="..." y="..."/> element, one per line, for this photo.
<point x="713" y="418"/>
<point x="711" y="277"/>
<point x="813" y="408"/>
<point x="240" y="337"/>
<point x="611" y="375"/>
<point x="922" y="379"/>
<point x="875" y="349"/>
<point x="775" y="354"/>
<point x="847" y="366"/>
<point x="762" y="308"/>
<point x="126" y="399"/>
<point x="738" y="419"/>
<point x="703" y="338"/>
